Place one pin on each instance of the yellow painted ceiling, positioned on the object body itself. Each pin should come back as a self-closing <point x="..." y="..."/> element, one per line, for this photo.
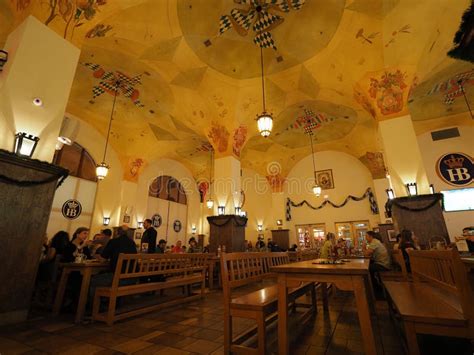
<point x="340" y="65"/>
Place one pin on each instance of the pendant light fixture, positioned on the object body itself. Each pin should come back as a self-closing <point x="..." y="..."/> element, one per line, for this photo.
<point x="210" y="201"/>
<point x="316" y="188"/>
<point x="102" y="169"/>
<point x="265" y="119"/>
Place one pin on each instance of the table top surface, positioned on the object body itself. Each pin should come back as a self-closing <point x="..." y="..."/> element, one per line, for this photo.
<point x="351" y="266"/>
<point x="468" y="259"/>
<point x="88" y="263"/>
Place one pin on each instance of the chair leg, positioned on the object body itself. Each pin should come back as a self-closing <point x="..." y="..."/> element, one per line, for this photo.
<point x="95" y="306"/>
<point x="412" y="342"/>
<point x="227" y="332"/>
<point x="261" y="333"/>
<point x="324" y="292"/>
<point x="111" y="310"/>
<point x="314" y="300"/>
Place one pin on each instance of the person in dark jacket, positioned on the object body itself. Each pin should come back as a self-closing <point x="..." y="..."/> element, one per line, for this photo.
<point x="121" y="244"/>
<point x="148" y="237"/>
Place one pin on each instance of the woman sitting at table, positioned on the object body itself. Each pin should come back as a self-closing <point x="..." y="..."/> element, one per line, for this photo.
<point x="78" y="245"/>
<point x="327" y="246"/>
<point x="379" y="258"/>
<point x="406" y="243"/>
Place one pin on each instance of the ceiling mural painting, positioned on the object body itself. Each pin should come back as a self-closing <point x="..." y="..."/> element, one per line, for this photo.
<point x="191" y="74"/>
<point x="375" y="163"/>
<point x="384" y="94"/>
<point x="299" y="32"/>
<point x="441" y="94"/>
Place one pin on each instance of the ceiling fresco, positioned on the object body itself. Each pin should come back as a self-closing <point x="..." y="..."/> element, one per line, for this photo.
<point x="189" y="74"/>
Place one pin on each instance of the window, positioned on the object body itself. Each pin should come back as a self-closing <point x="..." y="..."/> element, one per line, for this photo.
<point x="353" y="232"/>
<point x="310" y="236"/>
<point x="167" y="188"/>
<point x="77" y="160"/>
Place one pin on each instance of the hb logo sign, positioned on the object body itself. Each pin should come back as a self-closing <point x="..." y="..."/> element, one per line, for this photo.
<point x="72" y="209"/>
<point x="456" y="169"/>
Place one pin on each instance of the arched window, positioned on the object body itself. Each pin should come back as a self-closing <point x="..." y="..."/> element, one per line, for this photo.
<point x="168" y="188"/>
<point x="77" y="160"/>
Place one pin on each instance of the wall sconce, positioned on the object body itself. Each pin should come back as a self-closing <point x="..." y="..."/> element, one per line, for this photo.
<point x="221" y="210"/>
<point x="3" y="58"/>
<point x="106" y="221"/>
<point x="140" y="224"/>
<point x="193" y="229"/>
<point x="259" y="227"/>
<point x="432" y="190"/>
<point x="238" y="210"/>
<point x="210" y="203"/>
<point x="411" y="189"/>
<point x="390" y="194"/>
<point x="25" y="144"/>
<point x="243" y="214"/>
<point x="279" y="222"/>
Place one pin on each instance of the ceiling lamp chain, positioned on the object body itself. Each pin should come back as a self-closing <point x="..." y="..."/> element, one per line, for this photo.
<point x="460" y="82"/>
<point x="316" y="187"/>
<point x="102" y="169"/>
<point x="265" y="119"/>
<point x="210" y="201"/>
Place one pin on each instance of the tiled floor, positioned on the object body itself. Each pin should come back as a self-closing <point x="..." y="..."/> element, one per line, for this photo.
<point x="194" y="328"/>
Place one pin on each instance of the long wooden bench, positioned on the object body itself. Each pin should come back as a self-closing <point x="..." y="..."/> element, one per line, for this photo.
<point x="165" y="271"/>
<point x="438" y="302"/>
<point x="239" y="269"/>
<point x="395" y="275"/>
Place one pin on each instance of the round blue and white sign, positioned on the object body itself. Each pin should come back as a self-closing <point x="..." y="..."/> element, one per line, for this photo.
<point x="156" y="220"/>
<point x="177" y="226"/>
<point x="455" y="169"/>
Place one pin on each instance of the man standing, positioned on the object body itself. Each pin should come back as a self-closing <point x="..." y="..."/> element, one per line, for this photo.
<point x="149" y="236"/>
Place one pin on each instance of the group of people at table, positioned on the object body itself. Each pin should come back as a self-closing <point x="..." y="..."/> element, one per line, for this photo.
<point x="102" y="248"/>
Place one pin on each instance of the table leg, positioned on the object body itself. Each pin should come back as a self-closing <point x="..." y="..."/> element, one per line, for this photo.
<point x="324" y="294"/>
<point x="364" y="315"/>
<point x="370" y="295"/>
<point x="81" y="305"/>
<point x="283" y="342"/>
<point x="58" y="301"/>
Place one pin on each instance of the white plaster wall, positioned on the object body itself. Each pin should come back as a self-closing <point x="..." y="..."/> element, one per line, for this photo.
<point x="431" y="151"/>
<point x="351" y="177"/>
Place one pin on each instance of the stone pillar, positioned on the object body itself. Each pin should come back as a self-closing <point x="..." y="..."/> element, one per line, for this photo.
<point x="402" y="155"/>
<point x="27" y="188"/>
<point x="41" y="64"/>
<point x="227" y="184"/>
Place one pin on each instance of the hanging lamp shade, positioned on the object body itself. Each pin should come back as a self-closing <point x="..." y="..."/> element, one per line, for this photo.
<point x="317" y="190"/>
<point x="101" y="171"/>
<point x="265" y="124"/>
<point x="210" y="203"/>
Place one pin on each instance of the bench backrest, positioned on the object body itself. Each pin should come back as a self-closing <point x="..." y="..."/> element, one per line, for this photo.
<point x="302" y="255"/>
<point x="397" y="258"/>
<point x="239" y="269"/>
<point x="130" y="266"/>
<point x="443" y="269"/>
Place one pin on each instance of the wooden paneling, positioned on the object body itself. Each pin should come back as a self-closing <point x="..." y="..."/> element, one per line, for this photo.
<point x="228" y="230"/>
<point x="281" y="237"/>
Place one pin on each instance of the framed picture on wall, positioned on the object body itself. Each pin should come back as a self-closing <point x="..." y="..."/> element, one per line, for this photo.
<point x="325" y="179"/>
<point x="138" y="235"/>
<point x="392" y="236"/>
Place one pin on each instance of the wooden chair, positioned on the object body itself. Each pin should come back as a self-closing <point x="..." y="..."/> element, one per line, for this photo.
<point x="239" y="269"/>
<point x="438" y="302"/>
<point x="177" y="270"/>
<point x="394" y="275"/>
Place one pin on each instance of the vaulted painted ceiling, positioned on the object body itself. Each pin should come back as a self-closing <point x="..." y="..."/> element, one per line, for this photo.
<point x="190" y="73"/>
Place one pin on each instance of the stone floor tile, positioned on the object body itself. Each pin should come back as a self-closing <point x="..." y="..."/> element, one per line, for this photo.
<point x="131" y="346"/>
<point x="202" y="346"/>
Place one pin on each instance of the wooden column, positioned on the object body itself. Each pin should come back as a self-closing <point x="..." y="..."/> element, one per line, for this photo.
<point x="27" y="189"/>
<point x="281" y="237"/>
<point x="228" y="230"/>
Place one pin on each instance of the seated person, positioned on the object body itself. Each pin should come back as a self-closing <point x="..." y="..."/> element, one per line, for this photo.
<point x="121" y="244"/>
<point x="193" y="246"/>
<point x="379" y="258"/>
<point x="102" y="241"/>
<point x="177" y="248"/>
<point x="79" y="245"/>
<point x="326" y="250"/>
<point x="161" y="247"/>
<point x="294" y="247"/>
<point x="468" y="233"/>
<point x="406" y="243"/>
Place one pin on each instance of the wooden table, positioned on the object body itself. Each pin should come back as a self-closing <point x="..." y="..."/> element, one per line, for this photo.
<point x="350" y="276"/>
<point x="87" y="269"/>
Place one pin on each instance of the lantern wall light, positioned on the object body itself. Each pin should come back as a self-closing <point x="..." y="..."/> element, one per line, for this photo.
<point x="238" y="210"/>
<point x="25" y="144"/>
<point x="140" y="224"/>
<point x="390" y="194"/>
<point x="432" y="189"/>
<point x="221" y="210"/>
<point x="106" y="221"/>
<point x="412" y="189"/>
